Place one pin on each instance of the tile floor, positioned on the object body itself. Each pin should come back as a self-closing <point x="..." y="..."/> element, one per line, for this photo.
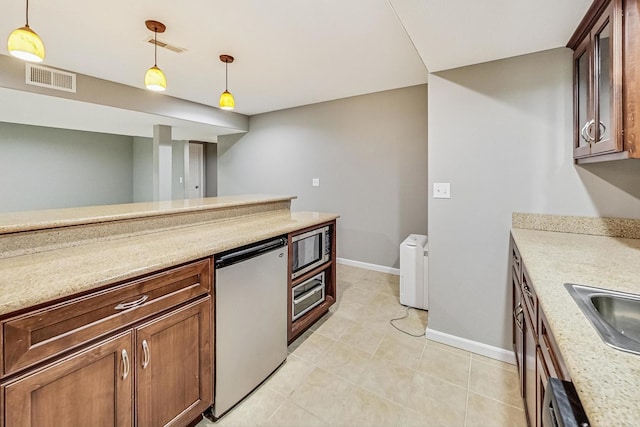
<point x="354" y="369"/>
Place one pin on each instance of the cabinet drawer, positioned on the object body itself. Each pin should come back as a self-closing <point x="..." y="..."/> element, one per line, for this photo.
<point x="516" y="261"/>
<point x="530" y="298"/>
<point x="38" y="335"/>
<point x="549" y="349"/>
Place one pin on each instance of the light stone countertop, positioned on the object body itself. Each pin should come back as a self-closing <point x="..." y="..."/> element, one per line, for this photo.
<point x="12" y="222"/>
<point x="607" y="380"/>
<point x="41" y="277"/>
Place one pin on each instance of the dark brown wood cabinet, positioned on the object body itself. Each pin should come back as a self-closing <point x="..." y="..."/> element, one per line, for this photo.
<point x="537" y="355"/>
<point x="93" y="386"/>
<point x="152" y="367"/>
<point x="297" y="327"/>
<point x="174" y="366"/>
<point x="606" y="70"/>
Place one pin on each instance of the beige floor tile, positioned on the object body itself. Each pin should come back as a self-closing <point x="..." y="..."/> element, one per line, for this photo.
<point x="449" y="348"/>
<point x="333" y="325"/>
<point x="400" y="351"/>
<point x="358" y="295"/>
<point x="290" y="375"/>
<point x="350" y="310"/>
<point x="313" y="347"/>
<point x="349" y="274"/>
<point x="440" y="402"/>
<point x="323" y="394"/>
<point x="448" y="366"/>
<point x="253" y="410"/>
<point x="387" y="288"/>
<point x="411" y="418"/>
<point x="363" y="339"/>
<point x="410" y="326"/>
<point x="298" y="341"/>
<point x="345" y="361"/>
<point x="416" y="313"/>
<point x="495" y="382"/>
<point x="366" y="409"/>
<point x="388" y="305"/>
<point x="292" y="415"/>
<point x="485" y="412"/>
<point x="388" y="380"/>
<point x="494" y="362"/>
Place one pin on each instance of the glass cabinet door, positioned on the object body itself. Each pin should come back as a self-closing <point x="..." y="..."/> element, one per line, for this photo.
<point x="582" y="89"/>
<point x="600" y="130"/>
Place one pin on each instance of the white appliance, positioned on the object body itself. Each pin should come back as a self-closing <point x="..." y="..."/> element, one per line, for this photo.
<point x="414" y="289"/>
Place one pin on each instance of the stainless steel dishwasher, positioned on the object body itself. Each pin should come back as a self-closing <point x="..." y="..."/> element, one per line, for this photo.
<point x="251" y="319"/>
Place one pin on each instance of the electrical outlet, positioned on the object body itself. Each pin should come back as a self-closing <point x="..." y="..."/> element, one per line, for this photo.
<point x="441" y="190"/>
<point x="315" y="182"/>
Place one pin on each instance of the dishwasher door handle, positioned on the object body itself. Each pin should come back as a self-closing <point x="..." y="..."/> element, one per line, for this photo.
<point x="239" y="255"/>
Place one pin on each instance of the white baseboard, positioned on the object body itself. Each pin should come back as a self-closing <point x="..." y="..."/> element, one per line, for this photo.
<point x="473" y="346"/>
<point x="367" y="266"/>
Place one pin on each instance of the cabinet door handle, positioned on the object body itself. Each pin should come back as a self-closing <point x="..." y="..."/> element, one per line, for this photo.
<point x="583" y="133"/>
<point x="131" y="304"/>
<point x="125" y="364"/>
<point x="602" y="129"/>
<point x="147" y="354"/>
<point x="516" y="313"/>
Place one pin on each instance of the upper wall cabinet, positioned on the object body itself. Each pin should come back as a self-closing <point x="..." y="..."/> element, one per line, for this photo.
<point x="606" y="82"/>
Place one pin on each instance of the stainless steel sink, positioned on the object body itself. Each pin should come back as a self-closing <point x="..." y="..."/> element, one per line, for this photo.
<point x="615" y="315"/>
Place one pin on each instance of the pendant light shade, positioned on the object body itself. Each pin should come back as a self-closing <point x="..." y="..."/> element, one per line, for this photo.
<point x="226" y="99"/>
<point x="25" y="44"/>
<point x="155" y="79"/>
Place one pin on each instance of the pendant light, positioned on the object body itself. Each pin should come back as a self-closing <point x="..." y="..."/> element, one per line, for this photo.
<point x="226" y="99"/>
<point x="154" y="79"/>
<point x="25" y="44"/>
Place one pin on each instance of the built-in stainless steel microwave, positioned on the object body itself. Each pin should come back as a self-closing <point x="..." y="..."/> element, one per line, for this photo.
<point x="310" y="250"/>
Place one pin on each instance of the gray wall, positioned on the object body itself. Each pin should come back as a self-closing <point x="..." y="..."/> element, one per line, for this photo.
<point x="500" y="133"/>
<point x="369" y="152"/>
<point x="211" y="169"/>
<point x="46" y="168"/>
<point x="143" y="169"/>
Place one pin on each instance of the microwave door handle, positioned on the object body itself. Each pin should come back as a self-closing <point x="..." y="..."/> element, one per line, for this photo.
<point x="308" y="294"/>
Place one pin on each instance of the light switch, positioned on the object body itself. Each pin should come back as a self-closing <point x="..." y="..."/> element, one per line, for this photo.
<point x="441" y="190"/>
<point x="315" y="182"/>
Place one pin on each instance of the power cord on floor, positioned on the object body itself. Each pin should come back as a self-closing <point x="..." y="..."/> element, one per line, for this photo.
<point x="406" y="314"/>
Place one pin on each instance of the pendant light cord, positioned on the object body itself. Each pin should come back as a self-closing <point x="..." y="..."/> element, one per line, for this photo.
<point x="27" y="13"/>
<point x="155" y="47"/>
<point x="226" y="76"/>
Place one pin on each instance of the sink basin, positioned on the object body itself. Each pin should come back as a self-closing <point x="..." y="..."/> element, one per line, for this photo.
<point x="615" y="315"/>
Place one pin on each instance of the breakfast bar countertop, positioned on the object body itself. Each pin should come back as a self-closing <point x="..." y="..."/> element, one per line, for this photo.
<point x="41" y="277"/>
<point x="607" y="380"/>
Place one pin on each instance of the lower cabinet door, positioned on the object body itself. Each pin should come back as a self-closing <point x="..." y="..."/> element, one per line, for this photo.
<point x="92" y="387"/>
<point x="174" y="366"/>
<point x="530" y="377"/>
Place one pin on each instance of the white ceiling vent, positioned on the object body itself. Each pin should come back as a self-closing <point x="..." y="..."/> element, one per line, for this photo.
<point x="37" y="75"/>
<point x="167" y="46"/>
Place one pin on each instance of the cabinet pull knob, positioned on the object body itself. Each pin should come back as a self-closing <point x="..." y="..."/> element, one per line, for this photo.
<point x="125" y="365"/>
<point x="131" y="304"/>
<point x="147" y="354"/>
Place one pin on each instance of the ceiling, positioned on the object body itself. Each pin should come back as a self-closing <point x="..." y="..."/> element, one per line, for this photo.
<point x="290" y="52"/>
